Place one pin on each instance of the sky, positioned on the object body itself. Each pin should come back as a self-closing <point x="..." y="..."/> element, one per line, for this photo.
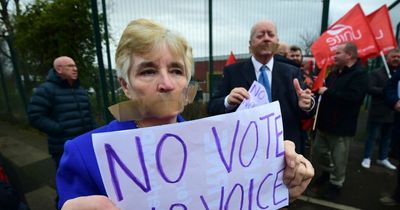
<point x="233" y="19"/>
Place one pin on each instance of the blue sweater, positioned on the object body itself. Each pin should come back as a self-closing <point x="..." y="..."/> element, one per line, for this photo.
<point x="78" y="173"/>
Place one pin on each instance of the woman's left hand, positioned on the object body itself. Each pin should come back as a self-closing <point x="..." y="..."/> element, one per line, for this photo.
<point x="298" y="172"/>
<point x="92" y="202"/>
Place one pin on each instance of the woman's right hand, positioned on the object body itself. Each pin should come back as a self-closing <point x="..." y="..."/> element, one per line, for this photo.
<point x="92" y="202"/>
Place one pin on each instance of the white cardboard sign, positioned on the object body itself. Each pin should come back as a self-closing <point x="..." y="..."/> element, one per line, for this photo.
<point x="258" y="96"/>
<point x="230" y="161"/>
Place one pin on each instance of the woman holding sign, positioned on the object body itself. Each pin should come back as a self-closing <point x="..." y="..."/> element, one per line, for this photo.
<point x="154" y="68"/>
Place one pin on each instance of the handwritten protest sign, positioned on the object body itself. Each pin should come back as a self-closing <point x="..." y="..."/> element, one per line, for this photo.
<point x="230" y="161"/>
<point x="258" y="96"/>
<point x="398" y="89"/>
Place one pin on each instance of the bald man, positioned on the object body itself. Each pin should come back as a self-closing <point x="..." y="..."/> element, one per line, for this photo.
<point x="66" y="69"/>
<point x="283" y="55"/>
<point x="282" y="79"/>
<point x="283" y="49"/>
<point x="60" y="107"/>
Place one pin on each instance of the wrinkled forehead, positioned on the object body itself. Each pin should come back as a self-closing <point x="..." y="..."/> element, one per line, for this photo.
<point x="264" y="26"/>
<point x="340" y="48"/>
<point x="63" y="61"/>
<point x="161" y="53"/>
<point x="295" y="52"/>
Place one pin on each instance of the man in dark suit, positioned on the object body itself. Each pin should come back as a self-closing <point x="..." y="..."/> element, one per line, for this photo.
<point x="283" y="80"/>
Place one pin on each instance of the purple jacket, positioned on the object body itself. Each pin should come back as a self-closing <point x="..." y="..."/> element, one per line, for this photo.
<point x="78" y="173"/>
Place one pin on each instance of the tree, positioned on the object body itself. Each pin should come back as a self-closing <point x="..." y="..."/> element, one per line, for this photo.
<point x="48" y="29"/>
<point x="6" y="98"/>
<point x="7" y="33"/>
<point x="308" y="39"/>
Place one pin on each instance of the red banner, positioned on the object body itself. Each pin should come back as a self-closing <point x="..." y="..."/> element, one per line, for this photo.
<point x="231" y="59"/>
<point x="319" y="81"/>
<point x="381" y="25"/>
<point x="352" y="27"/>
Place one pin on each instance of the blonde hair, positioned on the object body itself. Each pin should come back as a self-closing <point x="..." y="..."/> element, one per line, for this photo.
<point x="142" y="37"/>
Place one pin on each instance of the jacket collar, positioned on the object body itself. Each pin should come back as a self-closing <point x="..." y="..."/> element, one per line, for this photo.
<point x="346" y="69"/>
<point x="53" y="76"/>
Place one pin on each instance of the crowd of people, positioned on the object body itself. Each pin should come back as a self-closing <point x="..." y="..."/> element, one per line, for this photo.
<point x="154" y="63"/>
<point x="341" y="96"/>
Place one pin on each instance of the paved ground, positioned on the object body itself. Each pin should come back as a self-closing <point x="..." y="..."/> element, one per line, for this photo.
<point x="35" y="171"/>
<point x="363" y="187"/>
<point x="31" y="171"/>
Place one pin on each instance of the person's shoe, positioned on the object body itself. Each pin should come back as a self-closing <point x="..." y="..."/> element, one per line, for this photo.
<point x="332" y="192"/>
<point x="388" y="201"/>
<point x="366" y="163"/>
<point x="386" y="163"/>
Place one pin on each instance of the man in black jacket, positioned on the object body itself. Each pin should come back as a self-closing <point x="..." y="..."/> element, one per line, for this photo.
<point x="60" y="107"/>
<point x="337" y="118"/>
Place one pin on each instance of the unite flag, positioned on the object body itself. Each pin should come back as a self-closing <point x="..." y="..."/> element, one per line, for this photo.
<point x="381" y="25"/>
<point x="352" y="27"/>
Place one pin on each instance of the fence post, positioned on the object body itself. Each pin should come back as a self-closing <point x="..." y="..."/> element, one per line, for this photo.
<point x="110" y="73"/>
<point x="210" y="61"/>
<point x="325" y="15"/>
<point x="5" y="91"/>
<point x="14" y="60"/>
<point x="97" y="36"/>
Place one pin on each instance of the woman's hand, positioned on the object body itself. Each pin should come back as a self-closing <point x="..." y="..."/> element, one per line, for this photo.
<point x="93" y="202"/>
<point x="298" y="172"/>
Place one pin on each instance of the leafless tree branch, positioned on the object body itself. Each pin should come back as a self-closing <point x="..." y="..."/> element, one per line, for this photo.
<point x="308" y="39"/>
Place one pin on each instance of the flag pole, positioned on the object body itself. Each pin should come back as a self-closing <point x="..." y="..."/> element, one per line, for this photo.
<point x="316" y="113"/>
<point x="385" y="64"/>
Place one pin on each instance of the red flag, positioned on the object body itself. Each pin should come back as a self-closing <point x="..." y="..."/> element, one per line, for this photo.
<point x="381" y="25"/>
<point x="319" y="82"/>
<point x="231" y="59"/>
<point x="354" y="27"/>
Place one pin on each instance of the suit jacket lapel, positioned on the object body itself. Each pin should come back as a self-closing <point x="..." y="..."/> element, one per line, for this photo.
<point x="277" y="74"/>
<point x="248" y="72"/>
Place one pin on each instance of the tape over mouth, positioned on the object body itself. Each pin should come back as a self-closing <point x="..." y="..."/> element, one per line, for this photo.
<point x="139" y="108"/>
